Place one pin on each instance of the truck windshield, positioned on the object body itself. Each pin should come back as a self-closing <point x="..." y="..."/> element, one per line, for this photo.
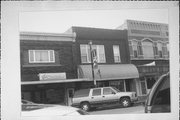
<point x="117" y="90"/>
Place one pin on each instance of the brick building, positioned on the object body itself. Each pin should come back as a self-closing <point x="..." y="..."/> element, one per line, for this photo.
<point x="149" y="51"/>
<point x="48" y="71"/>
<point x="111" y="46"/>
<point x="53" y="66"/>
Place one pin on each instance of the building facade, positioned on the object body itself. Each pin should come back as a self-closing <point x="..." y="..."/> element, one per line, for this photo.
<point x="112" y="57"/>
<point x="149" y="51"/>
<point x="48" y="71"/>
<point x="53" y="66"/>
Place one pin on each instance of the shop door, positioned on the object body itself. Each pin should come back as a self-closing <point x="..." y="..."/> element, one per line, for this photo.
<point x="70" y="93"/>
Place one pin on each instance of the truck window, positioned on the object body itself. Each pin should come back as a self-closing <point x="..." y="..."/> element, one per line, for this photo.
<point x="82" y="93"/>
<point x="107" y="91"/>
<point x="96" y="92"/>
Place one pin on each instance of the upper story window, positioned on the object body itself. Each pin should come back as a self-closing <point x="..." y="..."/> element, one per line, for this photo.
<point x="165" y="50"/>
<point x="155" y="49"/>
<point x="160" y="51"/>
<point x="148" y="52"/>
<point x="117" y="57"/>
<point x="41" y="56"/>
<point x="86" y="56"/>
<point x="135" y="49"/>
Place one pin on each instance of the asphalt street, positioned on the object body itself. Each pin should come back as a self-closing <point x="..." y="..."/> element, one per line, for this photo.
<point x="118" y="110"/>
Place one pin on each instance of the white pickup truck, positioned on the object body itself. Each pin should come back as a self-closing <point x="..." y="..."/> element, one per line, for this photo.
<point x="98" y="97"/>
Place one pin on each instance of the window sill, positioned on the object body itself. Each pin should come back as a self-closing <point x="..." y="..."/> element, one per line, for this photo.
<point x="42" y="65"/>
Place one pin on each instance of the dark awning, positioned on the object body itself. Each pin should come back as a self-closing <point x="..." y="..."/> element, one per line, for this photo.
<point x="109" y="72"/>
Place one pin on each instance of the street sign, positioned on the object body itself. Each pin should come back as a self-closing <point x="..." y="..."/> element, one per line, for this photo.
<point x="94" y="55"/>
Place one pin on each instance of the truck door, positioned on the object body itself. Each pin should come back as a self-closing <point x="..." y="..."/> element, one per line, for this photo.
<point x="109" y="96"/>
<point x="96" y="97"/>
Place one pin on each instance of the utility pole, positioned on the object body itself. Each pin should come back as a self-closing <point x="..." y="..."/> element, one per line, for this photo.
<point x="92" y="66"/>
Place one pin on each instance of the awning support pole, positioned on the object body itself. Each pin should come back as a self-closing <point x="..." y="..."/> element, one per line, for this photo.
<point x="92" y="67"/>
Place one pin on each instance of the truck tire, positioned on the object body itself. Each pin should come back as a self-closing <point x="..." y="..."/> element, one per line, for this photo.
<point x="125" y="102"/>
<point x="85" y="106"/>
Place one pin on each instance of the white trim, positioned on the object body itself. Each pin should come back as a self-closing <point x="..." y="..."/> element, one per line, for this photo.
<point x="97" y="50"/>
<point x="147" y="39"/>
<point x="98" y="55"/>
<point x="118" y="54"/>
<point x="34" y="60"/>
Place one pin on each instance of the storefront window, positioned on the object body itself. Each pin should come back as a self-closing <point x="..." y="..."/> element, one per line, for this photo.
<point x="119" y="84"/>
<point x="54" y="96"/>
<point x="150" y="82"/>
<point x="143" y="87"/>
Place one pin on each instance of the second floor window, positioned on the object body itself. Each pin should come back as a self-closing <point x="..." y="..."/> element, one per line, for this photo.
<point x="135" y="49"/>
<point x="148" y="52"/>
<point x="116" y="53"/>
<point x="165" y="50"/>
<point x="160" y="53"/>
<point x="41" y="56"/>
<point x="86" y="56"/>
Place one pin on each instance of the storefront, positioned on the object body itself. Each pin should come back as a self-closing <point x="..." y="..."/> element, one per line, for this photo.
<point x="51" y="91"/>
<point x="121" y="76"/>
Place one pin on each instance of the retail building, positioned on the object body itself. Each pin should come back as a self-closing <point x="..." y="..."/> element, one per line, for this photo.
<point x="53" y="66"/>
<point x="149" y="51"/>
<point x="112" y="57"/>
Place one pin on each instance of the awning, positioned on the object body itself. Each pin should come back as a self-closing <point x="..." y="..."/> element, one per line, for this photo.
<point x="109" y="72"/>
<point x="52" y="81"/>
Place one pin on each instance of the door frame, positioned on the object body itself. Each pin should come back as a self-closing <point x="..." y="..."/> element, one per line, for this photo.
<point x="68" y="98"/>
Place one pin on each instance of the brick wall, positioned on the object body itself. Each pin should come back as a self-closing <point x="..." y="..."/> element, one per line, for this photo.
<point x="63" y="60"/>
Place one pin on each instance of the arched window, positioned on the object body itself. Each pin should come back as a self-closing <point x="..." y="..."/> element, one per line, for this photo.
<point x="147" y="47"/>
<point x="135" y="49"/>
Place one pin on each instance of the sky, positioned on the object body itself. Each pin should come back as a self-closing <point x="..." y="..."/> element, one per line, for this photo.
<point x="61" y="21"/>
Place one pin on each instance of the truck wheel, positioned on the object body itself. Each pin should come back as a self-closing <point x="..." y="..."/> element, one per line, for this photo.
<point x="85" y="106"/>
<point x="125" y="102"/>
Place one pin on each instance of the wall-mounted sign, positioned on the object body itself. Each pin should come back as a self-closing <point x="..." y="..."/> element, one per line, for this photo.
<point x="52" y="76"/>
